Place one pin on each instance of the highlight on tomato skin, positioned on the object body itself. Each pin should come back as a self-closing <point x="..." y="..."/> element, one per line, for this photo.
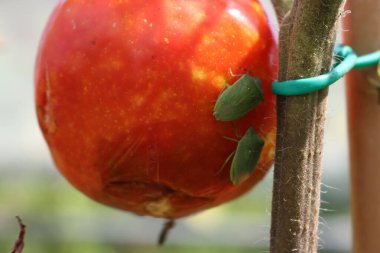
<point x="125" y="92"/>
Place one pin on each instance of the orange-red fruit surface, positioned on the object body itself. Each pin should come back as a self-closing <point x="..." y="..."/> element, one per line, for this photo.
<point x="125" y="92"/>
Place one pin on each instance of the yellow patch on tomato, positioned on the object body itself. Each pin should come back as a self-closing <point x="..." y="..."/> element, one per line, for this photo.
<point x="198" y="74"/>
<point x="219" y="81"/>
<point x="159" y="207"/>
<point x="167" y="95"/>
<point x="138" y="100"/>
<point x="182" y="17"/>
<point x="270" y="140"/>
<point x="258" y="9"/>
<point x="252" y="37"/>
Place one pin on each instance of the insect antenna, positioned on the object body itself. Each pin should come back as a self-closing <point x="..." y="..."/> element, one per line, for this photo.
<point x="225" y="163"/>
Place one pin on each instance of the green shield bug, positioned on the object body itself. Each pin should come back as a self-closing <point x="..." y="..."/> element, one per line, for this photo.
<point x="238" y="99"/>
<point x="246" y="156"/>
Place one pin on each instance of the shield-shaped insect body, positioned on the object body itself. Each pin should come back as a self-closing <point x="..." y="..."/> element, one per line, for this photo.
<point x="246" y="156"/>
<point x="238" y="99"/>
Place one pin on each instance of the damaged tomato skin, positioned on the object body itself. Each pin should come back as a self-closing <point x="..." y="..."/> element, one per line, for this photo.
<point x="125" y="93"/>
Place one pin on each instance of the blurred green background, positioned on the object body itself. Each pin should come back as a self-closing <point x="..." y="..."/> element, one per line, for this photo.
<point x="60" y="219"/>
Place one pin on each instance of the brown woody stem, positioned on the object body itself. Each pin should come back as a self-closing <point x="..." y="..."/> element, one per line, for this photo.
<point x="19" y="243"/>
<point x="281" y="7"/>
<point x="307" y="36"/>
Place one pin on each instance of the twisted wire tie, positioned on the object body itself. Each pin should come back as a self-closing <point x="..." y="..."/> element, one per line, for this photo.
<point x="307" y="85"/>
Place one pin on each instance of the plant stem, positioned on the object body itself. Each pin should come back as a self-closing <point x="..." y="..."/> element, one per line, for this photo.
<point x="307" y="36"/>
<point x="364" y="123"/>
<point x="19" y="243"/>
<point x="281" y="7"/>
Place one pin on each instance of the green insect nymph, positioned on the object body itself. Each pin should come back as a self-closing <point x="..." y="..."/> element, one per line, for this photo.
<point x="238" y="99"/>
<point x="246" y="156"/>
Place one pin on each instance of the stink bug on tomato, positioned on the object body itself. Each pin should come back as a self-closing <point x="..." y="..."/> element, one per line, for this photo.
<point x="238" y="99"/>
<point x="246" y="156"/>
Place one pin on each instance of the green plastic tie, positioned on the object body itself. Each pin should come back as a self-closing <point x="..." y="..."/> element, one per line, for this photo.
<point x="349" y="60"/>
<point x="368" y="60"/>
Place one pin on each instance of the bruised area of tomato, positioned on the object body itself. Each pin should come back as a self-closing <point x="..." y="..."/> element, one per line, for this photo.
<point x="125" y="92"/>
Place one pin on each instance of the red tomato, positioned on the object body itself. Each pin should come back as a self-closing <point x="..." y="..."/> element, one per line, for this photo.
<point x="125" y="93"/>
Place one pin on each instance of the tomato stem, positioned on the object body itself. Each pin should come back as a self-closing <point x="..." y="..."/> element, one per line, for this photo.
<point x="165" y="231"/>
<point x="307" y="37"/>
<point x="281" y="7"/>
<point x="19" y="243"/>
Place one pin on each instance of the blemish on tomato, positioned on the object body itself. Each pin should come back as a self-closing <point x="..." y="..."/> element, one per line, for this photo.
<point x="198" y="74"/>
<point x="73" y="24"/>
<point x="48" y="116"/>
<point x="270" y="140"/>
<point x="252" y="37"/>
<point x="258" y="9"/>
<point x="219" y="81"/>
<point x="160" y="207"/>
<point x="138" y="100"/>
